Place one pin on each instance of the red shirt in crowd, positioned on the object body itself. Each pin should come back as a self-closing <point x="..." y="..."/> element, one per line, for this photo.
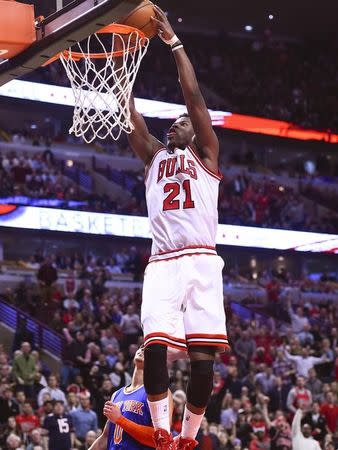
<point x="27" y="423"/>
<point x="330" y="412"/>
<point x="255" y="444"/>
<point x="258" y="425"/>
<point x="273" y="291"/>
<point x="265" y="358"/>
<point x="206" y="442"/>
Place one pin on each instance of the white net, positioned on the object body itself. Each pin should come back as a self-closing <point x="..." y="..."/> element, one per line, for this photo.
<point x="102" y="83"/>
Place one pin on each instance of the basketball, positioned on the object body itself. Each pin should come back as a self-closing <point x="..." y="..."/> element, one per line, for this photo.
<point x="140" y="18"/>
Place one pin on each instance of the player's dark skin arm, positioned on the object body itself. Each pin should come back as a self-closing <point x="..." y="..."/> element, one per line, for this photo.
<point x="140" y="140"/>
<point x="206" y="141"/>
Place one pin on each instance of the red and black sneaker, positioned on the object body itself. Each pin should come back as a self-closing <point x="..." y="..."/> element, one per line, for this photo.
<point x="164" y="440"/>
<point x="186" y="444"/>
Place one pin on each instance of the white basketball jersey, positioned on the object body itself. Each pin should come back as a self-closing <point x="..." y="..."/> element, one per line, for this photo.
<point x="182" y="197"/>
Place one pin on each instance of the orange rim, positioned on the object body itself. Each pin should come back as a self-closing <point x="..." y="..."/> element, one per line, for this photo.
<point x="109" y="29"/>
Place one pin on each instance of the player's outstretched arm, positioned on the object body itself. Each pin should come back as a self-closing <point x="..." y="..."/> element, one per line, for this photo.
<point x="205" y="137"/>
<point x="141" y="141"/>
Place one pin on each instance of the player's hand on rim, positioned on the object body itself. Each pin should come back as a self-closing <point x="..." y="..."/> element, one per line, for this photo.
<point x="112" y="411"/>
<point x="165" y="30"/>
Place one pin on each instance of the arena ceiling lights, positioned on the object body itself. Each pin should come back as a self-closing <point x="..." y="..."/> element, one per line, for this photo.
<point x="59" y="95"/>
<point x="36" y="218"/>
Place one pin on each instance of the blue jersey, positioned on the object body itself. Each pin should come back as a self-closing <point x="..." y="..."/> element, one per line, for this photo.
<point x="134" y="406"/>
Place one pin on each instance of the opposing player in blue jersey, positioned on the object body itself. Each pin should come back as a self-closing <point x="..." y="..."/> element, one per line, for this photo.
<point x="129" y="424"/>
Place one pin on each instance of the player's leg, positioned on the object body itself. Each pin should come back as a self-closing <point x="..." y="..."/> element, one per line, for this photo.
<point x="162" y="321"/>
<point x="156" y="384"/>
<point x="204" y="322"/>
<point x="198" y="393"/>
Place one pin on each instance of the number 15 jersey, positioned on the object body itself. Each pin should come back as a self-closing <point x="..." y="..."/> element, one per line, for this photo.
<point x="182" y="197"/>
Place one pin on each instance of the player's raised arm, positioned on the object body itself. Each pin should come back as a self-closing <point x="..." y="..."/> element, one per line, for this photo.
<point x="205" y="137"/>
<point x="141" y="141"/>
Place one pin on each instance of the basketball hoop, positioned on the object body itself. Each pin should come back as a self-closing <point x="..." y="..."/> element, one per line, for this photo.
<point x="102" y="72"/>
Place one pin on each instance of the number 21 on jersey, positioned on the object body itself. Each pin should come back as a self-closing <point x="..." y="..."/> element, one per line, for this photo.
<point x="173" y="190"/>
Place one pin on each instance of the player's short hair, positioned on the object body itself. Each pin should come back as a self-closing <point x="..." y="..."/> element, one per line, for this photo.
<point x="184" y="115"/>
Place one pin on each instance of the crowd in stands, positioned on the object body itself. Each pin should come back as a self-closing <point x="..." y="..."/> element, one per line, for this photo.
<point x="275" y="366"/>
<point x="36" y="176"/>
<point x="262" y="76"/>
<point x="243" y="199"/>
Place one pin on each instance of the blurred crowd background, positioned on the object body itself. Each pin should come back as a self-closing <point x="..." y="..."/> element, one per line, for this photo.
<point x="282" y="314"/>
<point x="284" y="355"/>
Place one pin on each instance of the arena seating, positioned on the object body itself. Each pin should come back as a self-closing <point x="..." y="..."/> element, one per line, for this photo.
<point x="93" y="318"/>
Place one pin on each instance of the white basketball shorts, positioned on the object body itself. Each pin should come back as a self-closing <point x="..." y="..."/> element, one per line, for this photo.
<point x="182" y="303"/>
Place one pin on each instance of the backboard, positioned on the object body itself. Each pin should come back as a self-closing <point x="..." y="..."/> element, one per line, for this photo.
<point x="65" y="22"/>
<point x="47" y="7"/>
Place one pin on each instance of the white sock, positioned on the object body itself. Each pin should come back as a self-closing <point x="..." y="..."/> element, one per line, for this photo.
<point x="190" y="424"/>
<point x="159" y="411"/>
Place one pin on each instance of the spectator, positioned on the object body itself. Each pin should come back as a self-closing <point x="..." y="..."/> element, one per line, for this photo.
<point x="244" y="429"/>
<point x="53" y="390"/>
<point x="22" y="334"/>
<point x="84" y="418"/>
<point x="206" y="439"/>
<point x="304" y="362"/>
<point x="46" y="409"/>
<point x="20" y="398"/>
<point x="10" y="428"/>
<point x="8" y="406"/>
<point x="299" y="396"/>
<point x="244" y="347"/>
<point x="72" y="401"/>
<point x="298" y="321"/>
<point x="14" y="442"/>
<point x="47" y="276"/>
<point x="36" y="440"/>
<point x="119" y="377"/>
<point x="278" y="395"/>
<point x="282" y="367"/>
<point x="70" y="303"/>
<point x="41" y="366"/>
<point x="58" y="427"/>
<point x="301" y="438"/>
<point x="229" y="416"/>
<point x="260" y="441"/>
<point x="108" y="338"/>
<point x="219" y="366"/>
<point x="103" y="395"/>
<point x="233" y="383"/>
<point x="329" y="409"/>
<point x="306" y="337"/>
<point x="75" y="356"/>
<point x="27" y="420"/>
<point x="279" y="430"/>
<point x="317" y="422"/>
<point x="130" y="326"/>
<point x="314" y="385"/>
<point x="24" y="368"/>
<point x="89" y="440"/>
<point x="265" y="379"/>
<point x="218" y="383"/>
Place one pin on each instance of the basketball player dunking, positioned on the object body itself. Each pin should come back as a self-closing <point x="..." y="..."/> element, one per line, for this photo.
<point x="182" y="303"/>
